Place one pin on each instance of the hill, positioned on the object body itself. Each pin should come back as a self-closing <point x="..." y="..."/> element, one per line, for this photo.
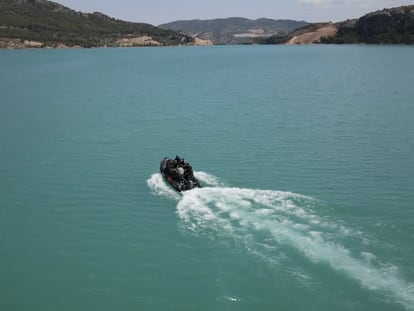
<point x="234" y="30"/>
<point x="40" y="23"/>
<point x="388" y="26"/>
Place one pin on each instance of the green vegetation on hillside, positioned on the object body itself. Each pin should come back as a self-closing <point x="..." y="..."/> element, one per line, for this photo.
<point x="389" y="26"/>
<point x="54" y="24"/>
<point x="47" y="23"/>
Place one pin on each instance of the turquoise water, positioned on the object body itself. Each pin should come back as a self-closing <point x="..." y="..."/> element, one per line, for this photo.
<point x="307" y="154"/>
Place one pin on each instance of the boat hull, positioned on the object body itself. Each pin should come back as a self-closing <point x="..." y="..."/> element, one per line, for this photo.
<point x="180" y="183"/>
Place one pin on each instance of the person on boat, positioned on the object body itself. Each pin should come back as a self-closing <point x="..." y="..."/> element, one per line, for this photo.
<point x="178" y="174"/>
<point x="168" y="167"/>
<point x="188" y="171"/>
<point x="180" y="171"/>
<point x="172" y="167"/>
<point x="180" y="161"/>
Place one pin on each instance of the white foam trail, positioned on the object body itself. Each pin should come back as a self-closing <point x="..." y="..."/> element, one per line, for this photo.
<point x="265" y="222"/>
<point x="207" y="179"/>
<point x="159" y="187"/>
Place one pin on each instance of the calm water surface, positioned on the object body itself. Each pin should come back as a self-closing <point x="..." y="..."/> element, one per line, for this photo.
<point x="307" y="154"/>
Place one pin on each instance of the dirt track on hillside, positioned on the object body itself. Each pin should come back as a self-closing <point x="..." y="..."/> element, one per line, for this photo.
<point x="314" y="36"/>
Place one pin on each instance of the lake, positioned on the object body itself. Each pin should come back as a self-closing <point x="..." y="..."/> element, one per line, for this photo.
<point x="306" y="154"/>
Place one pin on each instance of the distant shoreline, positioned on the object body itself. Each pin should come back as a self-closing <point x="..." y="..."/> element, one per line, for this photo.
<point x="47" y="24"/>
<point x="142" y="41"/>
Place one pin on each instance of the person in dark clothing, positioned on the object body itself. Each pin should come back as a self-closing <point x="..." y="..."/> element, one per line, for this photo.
<point x="180" y="161"/>
<point x="169" y="167"/>
<point x="189" y="174"/>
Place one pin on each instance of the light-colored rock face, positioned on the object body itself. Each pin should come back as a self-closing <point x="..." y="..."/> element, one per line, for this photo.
<point x="314" y="36"/>
<point x="137" y="41"/>
<point x="7" y="43"/>
<point x="198" y="41"/>
<point x="33" y="44"/>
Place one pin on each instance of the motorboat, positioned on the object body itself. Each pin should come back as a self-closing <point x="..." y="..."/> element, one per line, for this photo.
<point x="179" y="174"/>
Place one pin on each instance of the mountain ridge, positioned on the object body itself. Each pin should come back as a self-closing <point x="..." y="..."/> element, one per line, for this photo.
<point x="44" y="23"/>
<point x="233" y="30"/>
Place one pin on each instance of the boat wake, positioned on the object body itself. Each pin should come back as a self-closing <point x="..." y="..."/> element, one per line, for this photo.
<point x="276" y="226"/>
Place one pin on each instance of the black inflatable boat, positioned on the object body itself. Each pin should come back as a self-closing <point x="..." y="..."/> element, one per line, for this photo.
<point x="179" y="174"/>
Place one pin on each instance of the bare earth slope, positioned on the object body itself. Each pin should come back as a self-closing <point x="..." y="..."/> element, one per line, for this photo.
<point x="314" y="36"/>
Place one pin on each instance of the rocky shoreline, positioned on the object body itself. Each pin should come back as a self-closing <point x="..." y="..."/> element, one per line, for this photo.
<point x="15" y="44"/>
<point x="142" y="41"/>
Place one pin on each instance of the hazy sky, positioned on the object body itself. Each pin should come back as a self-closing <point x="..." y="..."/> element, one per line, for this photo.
<point x="162" y="11"/>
